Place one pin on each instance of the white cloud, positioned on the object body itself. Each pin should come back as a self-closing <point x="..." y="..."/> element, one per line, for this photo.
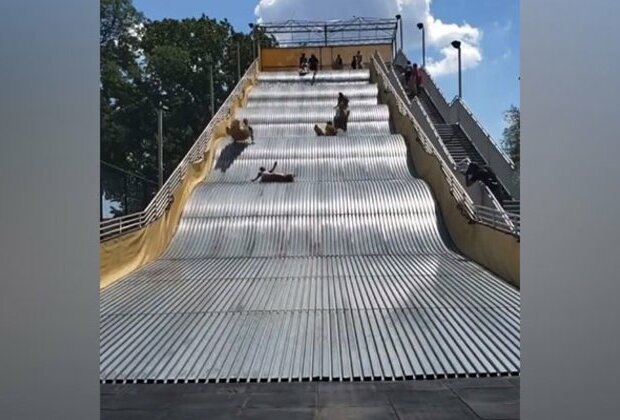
<point x="438" y="33"/>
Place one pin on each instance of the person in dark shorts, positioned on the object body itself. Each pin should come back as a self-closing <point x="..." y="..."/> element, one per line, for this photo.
<point x="354" y="63"/>
<point x="342" y="116"/>
<point x="271" y="176"/>
<point x="313" y="63"/>
<point x="337" y="63"/>
<point x="358" y="59"/>
<point x="313" y="66"/>
<point x="484" y="174"/>
<point x="303" y="65"/>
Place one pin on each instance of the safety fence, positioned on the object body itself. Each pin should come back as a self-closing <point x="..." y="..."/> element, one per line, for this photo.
<point x="111" y="228"/>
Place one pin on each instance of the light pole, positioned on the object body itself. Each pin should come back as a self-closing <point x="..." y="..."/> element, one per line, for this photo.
<point x="420" y="26"/>
<point x="400" y="24"/>
<point x="457" y="45"/>
<point x="160" y="143"/>
<point x="238" y="61"/>
<point x="211" y="90"/>
<point x="253" y="41"/>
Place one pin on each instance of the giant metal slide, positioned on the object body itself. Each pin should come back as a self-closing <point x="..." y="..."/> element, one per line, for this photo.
<point x="345" y="274"/>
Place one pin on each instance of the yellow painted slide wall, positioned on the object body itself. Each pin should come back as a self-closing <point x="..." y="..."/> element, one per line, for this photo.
<point x="122" y="255"/>
<point x="288" y="58"/>
<point x="497" y="251"/>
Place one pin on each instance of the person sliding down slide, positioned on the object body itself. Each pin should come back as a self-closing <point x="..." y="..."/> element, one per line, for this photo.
<point x="240" y="132"/>
<point x="330" y="130"/>
<point x="271" y="176"/>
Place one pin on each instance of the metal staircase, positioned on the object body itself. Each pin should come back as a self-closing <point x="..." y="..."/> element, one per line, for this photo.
<point x="460" y="147"/>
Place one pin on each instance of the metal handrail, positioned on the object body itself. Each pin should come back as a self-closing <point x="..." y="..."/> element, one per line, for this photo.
<point x="160" y="203"/>
<point x="499" y="219"/>
<point x="481" y="127"/>
<point x="457" y="190"/>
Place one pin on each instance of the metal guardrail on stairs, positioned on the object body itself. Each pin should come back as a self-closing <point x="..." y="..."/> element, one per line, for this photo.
<point x="497" y="219"/>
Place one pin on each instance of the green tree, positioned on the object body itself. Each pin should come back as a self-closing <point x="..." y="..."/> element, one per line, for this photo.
<point x="121" y="27"/>
<point x="145" y="63"/>
<point x="512" y="134"/>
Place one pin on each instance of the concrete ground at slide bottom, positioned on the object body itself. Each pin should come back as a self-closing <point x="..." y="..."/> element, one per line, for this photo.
<point x="450" y="399"/>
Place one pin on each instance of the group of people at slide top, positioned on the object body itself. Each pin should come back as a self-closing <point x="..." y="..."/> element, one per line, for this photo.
<point x="307" y="65"/>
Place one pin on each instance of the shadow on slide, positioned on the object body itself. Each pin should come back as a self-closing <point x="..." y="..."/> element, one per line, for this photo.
<point x="229" y="154"/>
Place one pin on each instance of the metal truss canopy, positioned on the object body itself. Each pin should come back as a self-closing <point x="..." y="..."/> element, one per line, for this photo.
<point x="356" y="31"/>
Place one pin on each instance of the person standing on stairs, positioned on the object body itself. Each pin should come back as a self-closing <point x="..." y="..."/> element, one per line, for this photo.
<point x="417" y="73"/>
<point x="475" y="172"/>
<point x="414" y="82"/>
<point x="408" y="72"/>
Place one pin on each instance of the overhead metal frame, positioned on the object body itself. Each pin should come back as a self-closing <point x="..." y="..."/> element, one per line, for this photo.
<point x="356" y="31"/>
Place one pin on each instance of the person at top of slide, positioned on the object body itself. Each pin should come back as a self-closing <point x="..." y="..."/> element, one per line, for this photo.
<point x="303" y="65"/>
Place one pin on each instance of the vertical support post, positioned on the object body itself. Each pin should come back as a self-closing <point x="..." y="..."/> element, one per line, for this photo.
<point x="125" y="196"/>
<point x="325" y="33"/>
<point x="160" y="146"/>
<point x="100" y="199"/>
<point x="238" y="61"/>
<point x="423" y="49"/>
<point x="258" y="44"/>
<point x="460" y="78"/>
<point x="211" y="89"/>
<point x="394" y="48"/>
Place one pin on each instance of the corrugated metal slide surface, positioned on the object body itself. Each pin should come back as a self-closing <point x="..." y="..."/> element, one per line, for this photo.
<point x="344" y="274"/>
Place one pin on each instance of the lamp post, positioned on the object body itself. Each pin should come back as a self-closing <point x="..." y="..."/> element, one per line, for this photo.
<point x="400" y="24"/>
<point x="211" y="90"/>
<point x="420" y="26"/>
<point x="160" y="143"/>
<point x="457" y="45"/>
<point x="251" y="25"/>
<point x="238" y="61"/>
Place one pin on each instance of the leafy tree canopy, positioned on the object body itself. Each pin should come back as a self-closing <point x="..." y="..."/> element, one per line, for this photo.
<point x="145" y="63"/>
<point x="512" y="134"/>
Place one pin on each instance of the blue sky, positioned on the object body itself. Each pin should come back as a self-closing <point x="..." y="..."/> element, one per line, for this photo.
<point x="489" y="88"/>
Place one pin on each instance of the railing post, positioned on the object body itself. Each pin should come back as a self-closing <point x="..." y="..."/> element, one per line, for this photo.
<point x="125" y="196"/>
<point x="238" y="61"/>
<point x="100" y="200"/>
